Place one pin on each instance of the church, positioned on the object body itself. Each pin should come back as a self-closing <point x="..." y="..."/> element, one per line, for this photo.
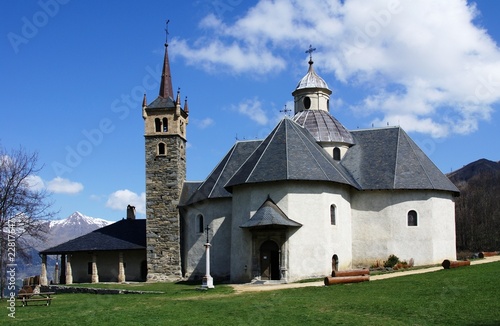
<point x="310" y="197"/>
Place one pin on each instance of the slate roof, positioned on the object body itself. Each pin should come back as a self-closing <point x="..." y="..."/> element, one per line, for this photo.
<point x="213" y="186"/>
<point x="121" y="235"/>
<point x="323" y="126"/>
<point x="161" y="103"/>
<point x="269" y="215"/>
<point x="312" y="80"/>
<point x="289" y="153"/>
<point x="387" y="158"/>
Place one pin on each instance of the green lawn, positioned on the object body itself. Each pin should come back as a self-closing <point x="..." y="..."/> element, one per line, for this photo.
<point x="462" y="296"/>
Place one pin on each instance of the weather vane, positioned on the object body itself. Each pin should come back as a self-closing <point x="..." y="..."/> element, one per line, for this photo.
<point x="166" y="31"/>
<point x="310" y="51"/>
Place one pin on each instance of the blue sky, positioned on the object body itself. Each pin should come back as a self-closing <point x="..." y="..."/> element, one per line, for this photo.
<point x="74" y="72"/>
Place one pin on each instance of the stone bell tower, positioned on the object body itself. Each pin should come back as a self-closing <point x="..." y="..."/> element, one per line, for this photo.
<point x="165" y="124"/>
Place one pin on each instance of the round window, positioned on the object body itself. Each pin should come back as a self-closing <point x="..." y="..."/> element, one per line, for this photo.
<point x="307" y="102"/>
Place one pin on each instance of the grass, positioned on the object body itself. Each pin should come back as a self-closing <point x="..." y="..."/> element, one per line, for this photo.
<point x="462" y="296"/>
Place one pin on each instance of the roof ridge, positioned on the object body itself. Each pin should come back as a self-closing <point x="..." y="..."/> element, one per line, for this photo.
<point x="420" y="162"/>
<point x="263" y="152"/>
<point x="222" y="170"/>
<point x="395" y="172"/>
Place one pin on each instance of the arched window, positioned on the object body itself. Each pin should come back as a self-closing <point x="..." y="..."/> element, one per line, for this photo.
<point x="200" y="225"/>
<point x="162" y="149"/>
<point x="165" y="125"/>
<point x="412" y="218"/>
<point x="157" y="125"/>
<point x="307" y="102"/>
<point x="333" y="215"/>
<point x="336" y="154"/>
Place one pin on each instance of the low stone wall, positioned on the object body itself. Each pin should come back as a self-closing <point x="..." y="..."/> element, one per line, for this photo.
<point x="75" y="289"/>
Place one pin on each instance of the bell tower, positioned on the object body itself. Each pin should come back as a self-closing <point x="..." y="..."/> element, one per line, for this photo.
<point x="165" y="124"/>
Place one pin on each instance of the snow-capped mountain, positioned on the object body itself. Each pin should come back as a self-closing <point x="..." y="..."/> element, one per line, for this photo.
<point x="75" y="225"/>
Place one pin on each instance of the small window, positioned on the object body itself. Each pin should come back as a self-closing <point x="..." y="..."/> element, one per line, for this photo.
<point x="307" y="102"/>
<point x="412" y="218"/>
<point x="157" y="125"/>
<point x="201" y="226"/>
<point x="161" y="149"/>
<point x="336" y="154"/>
<point x="333" y="215"/>
<point x="165" y="125"/>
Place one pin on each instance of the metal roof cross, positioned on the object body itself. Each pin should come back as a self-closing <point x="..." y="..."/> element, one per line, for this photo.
<point x="310" y="51"/>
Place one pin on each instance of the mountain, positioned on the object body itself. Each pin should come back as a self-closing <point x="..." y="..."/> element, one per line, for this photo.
<point x="75" y="225"/>
<point x="56" y="232"/>
<point x="473" y="169"/>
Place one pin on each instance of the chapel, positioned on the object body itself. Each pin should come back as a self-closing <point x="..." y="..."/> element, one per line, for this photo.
<point x="310" y="197"/>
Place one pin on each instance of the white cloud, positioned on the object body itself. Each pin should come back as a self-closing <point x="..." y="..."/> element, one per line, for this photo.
<point x="252" y="109"/>
<point x="119" y="200"/>
<point x="35" y="183"/>
<point x="205" y="123"/>
<point x="60" y="185"/>
<point x="423" y="62"/>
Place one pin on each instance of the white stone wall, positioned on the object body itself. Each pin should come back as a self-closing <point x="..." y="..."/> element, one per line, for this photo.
<point x="309" y="249"/>
<point x="380" y="227"/>
<point x="217" y="214"/>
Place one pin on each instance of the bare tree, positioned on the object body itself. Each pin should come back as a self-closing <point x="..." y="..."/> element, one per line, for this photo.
<point x="22" y="209"/>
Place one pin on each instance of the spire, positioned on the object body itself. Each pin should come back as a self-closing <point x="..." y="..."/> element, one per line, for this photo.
<point x="178" y="98"/>
<point x="186" y="109"/>
<point x="166" y="79"/>
<point x="144" y="101"/>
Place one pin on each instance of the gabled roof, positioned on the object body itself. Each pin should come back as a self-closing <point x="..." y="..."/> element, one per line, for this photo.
<point x="269" y="215"/>
<point x="289" y="153"/>
<point x="387" y="158"/>
<point x="323" y="126"/>
<point x="122" y="235"/>
<point x="213" y="186"/>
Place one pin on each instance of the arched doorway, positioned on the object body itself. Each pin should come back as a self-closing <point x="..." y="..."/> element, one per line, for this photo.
<point x="270" y="261"/>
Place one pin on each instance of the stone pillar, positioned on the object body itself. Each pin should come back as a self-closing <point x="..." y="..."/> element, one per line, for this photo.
<point x="69" y="272"/>
<point x="208" y="281"/>
<point x="56" y="273"/>
<point x="43" y="273"/>
<point x="121" y="268"/>
<point x="95" y="274"/>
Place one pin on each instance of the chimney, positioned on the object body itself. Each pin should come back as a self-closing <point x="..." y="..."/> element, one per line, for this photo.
<point x="130" y="212"/>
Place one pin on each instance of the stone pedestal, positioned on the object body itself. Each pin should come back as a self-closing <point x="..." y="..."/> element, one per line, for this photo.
<point x="208" y="281"/>
<point x="43" y="273"/>
<point x="121" y="268"/>
<point x="69" y="272"/>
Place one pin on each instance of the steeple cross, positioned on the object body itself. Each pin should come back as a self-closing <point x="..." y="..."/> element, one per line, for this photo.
<point x="310" y="51"/>
<point x="286" y="110"/>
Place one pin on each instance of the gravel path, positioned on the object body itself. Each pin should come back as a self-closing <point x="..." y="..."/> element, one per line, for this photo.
<point x="240" y="288"/>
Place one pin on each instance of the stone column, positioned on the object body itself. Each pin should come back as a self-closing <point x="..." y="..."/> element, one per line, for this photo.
<point x="69" y="272"/>
<point x="208" y="282"/>
<point x="121" y="268"/>
<point x="56" y="273"/>
<point x="43" y="273"/>
<point x="95" y="274"/>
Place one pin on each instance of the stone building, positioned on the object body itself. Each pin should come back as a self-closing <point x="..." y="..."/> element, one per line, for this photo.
<point x="310" y="197"/>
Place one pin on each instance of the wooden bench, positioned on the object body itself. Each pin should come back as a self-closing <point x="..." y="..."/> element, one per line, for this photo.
<point x="42" y="296"/>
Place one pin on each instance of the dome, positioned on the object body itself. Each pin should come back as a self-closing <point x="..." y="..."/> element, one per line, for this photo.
<point x="311" y="79"/>
<point x="323" y="127"/>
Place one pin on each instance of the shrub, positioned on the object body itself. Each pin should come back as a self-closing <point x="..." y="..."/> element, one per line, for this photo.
<point x="391" y="261"/>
